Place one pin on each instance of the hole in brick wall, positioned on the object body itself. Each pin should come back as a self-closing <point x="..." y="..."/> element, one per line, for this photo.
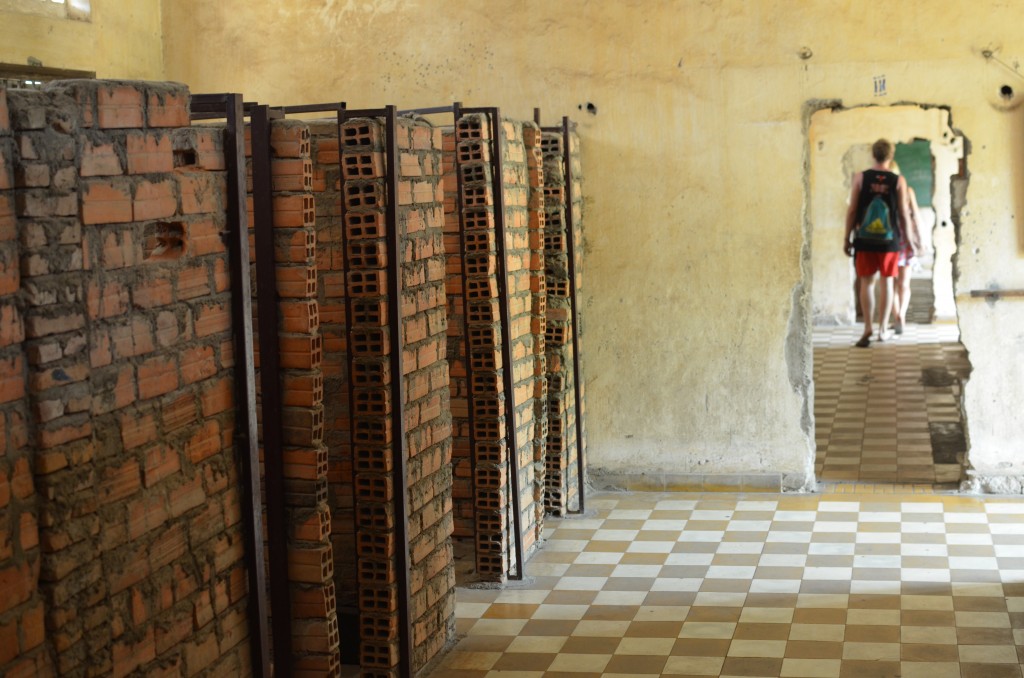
<point x="1006" y="92"/>
<point x="164" y="241"/>
<point x="184" y="157"/>
<point x="589" y="108"/>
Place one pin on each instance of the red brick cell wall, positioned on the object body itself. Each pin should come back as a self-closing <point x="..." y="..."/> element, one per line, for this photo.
<point x="538" y="311"/>
<point x="562" y="491"/>
<point x="462" y="464"/>
<point x="575" y="200"/>
<point x="120" y="210"/>
<point x="522" y="267"/>
<point x="426" y="386"/>
<point x="330" y="264"/>
<point x="490" y="457"/>
<point x="425" y="398"/>
<point x="315" y="638"/>
<point x="22" y="647"/>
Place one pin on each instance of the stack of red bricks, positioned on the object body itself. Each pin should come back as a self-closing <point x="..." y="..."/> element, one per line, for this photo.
<point x="315" y="639"/>
<point x="378" y="448"/>
<point x="492" y="461"/>
<point x="483" y="345"/>
<point x="120" y="206"/>
<point x="562" y="482"/>
<point x="427" y="400"/>
<point x="539" y="305"/>
<point x="21" y="606"/>
<point x="330" y="265"/>
<point x="524" y="266"/>
<point x="574" y="203"/>
<point x="462" y="463"/>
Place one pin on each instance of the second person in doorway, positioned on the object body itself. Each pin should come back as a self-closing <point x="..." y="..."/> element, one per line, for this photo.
<point x="876" y="220"/>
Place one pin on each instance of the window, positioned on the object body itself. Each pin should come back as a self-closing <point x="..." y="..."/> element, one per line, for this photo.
<point x="80" y="10"/>
<point x="16" y="76"/>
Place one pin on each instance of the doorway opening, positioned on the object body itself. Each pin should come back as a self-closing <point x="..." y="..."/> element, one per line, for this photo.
<point x="890" y="413"/>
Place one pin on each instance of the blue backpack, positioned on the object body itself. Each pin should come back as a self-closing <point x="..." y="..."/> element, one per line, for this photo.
<point x="877" y="224"/>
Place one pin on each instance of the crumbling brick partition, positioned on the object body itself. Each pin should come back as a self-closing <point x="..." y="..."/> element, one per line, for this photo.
<point x="22" y="648"/>
<point x="526" y="300"/>
<point x="462" y="463"/>
<point x="532" y="142"/>
<point x="491" y="268"/>
<point x="330" y="270"/>
<point x="420" y="317"/>
<point x="563" y="203"/>
<point x="124" y="285"/>
<point x="314" y="624"/>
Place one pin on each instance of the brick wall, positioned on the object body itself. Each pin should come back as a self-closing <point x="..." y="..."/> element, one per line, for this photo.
<point x="462" y="462"/>
<point x="489" y="456"/>
<point x="532" y="142"/>
<point x="315" y="637"/>
<point x="130" y="384"/>
<point x="428" y="417"/>
<point x="562" y="481"/>
<point x="22" y="649"/>
<point x="425" y="396"/>
<point x="121" y="535"/>
<point x="523" y="269"/>
<point x="330" y="265"/>
<point x="575" y="201"/>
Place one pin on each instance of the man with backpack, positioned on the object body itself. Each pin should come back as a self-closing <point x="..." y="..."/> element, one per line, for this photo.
<point x="876" y="224"/>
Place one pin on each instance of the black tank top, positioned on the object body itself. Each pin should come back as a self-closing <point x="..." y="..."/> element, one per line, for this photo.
<point x="882" y="184"/>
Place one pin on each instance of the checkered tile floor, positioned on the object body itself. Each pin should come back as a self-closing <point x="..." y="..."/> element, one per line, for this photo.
<point x="875" y="408"/>
<point x="823" y="586"/>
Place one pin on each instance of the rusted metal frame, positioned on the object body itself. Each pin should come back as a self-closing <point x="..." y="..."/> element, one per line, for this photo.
<point x="229" y="107"/>
<point x="427" y="111"/>
<point x="399" y="477"/>
<point x="470" y="418"/>
<point x="996" y="294"/>
<point x="314" y="108"/>
<point x="43" y="73"/>
<point x="270" y="387"/>
<point x="570" y="243"/>
<point x="201" y="107"/>
<point x="497" y="185"/>
<point x="365" y="113"/>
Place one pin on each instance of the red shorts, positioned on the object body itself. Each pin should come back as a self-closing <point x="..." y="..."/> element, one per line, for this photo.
<point x="869" y="263"/>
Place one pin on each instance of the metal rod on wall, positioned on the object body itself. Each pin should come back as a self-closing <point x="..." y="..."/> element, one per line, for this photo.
<point x="570" y="240"/>
<point x="229" y="106"/>
<point x="401" y="451"/>
<point x="270" y="387"/>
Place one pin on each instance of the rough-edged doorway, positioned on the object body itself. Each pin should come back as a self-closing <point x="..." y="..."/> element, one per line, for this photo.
<point x="890" y="413"/>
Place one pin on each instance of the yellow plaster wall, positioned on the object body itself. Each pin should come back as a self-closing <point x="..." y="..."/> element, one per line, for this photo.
<point x="697" y="306"/>
<point x="123" y="40"/>
<point x="696" y="335"/>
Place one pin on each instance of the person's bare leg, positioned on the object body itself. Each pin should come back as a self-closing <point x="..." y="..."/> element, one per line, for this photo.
<point x="867" y="305"/>
<point x="886" y="302"/>
<point x="902" y="300"/>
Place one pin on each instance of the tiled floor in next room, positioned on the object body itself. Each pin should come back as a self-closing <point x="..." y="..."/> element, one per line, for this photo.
<point x="889" y="412"/>
<point x="826" y="585"/>
<point x="884" y="573"/>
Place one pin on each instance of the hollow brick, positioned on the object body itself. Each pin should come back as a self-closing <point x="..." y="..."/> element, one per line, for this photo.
<point x="154" y="200"/>
<point x="119" y="107"/>
<point x="106" y="201"/>
<point x="167" y="109"/>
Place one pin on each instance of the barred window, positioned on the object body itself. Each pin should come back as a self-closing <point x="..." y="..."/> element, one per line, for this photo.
<point x="80" y="10"/>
